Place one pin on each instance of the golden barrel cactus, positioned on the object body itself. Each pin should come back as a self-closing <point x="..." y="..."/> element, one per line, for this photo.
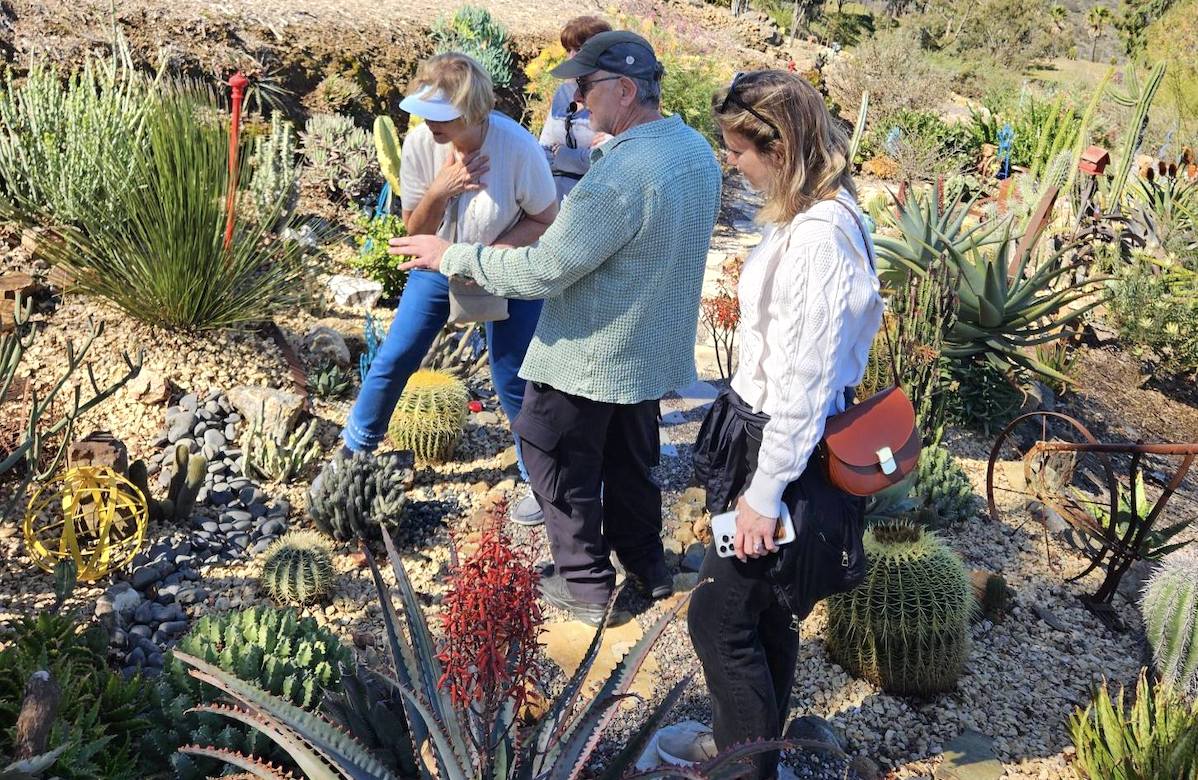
<point x="429" y="417"/>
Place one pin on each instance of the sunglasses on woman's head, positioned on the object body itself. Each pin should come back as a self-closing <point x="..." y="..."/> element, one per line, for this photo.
<point x="731" y="97"/>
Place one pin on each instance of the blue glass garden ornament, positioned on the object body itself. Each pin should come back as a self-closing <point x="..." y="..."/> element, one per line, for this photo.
<point x="1006" y="137"/>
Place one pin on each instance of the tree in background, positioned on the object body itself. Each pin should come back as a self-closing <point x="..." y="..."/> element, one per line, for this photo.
<point x="1173" y="38"/>
<point x="1059" y="14"/>
<point x="1134" y="18"/>
<point x="1097" y="19"/>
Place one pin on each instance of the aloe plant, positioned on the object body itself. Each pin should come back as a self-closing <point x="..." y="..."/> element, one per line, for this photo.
<point x="1007" y="304"/>
<point x="555" y="747"/>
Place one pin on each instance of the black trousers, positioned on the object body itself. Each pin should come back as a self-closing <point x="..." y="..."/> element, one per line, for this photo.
<point x="589" y="464"/>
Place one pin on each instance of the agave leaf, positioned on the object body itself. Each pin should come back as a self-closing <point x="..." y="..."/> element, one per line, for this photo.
<point x="333" y="745"/>
<point x="725" y="764"/>
<point x="425" y="653"/>
<point x="458" y="769"/>
<point x="570" y="758"/>
<point x="309" y="761"/>
<point x="254" y="766"/>
<point x="990" y="304"/>
<point x="636" y="745"/>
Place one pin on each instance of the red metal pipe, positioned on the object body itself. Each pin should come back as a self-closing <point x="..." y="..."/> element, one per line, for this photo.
<point x="238" y="83"/>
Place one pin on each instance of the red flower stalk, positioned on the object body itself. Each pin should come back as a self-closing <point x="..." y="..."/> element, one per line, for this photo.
<point x="489" y="615"/>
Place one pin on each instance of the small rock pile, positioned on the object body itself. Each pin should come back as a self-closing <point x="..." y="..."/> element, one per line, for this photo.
<point x="233" y="516"/>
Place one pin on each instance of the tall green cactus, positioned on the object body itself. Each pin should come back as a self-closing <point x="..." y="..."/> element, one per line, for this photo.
<point x="273" y="648"/>
<point x="387" y="145"/>
<point x="430" y="415"/>
<point x="1169" y="604"/>
<point x="356" y="497"/>
<point x="298" y="568"/>
<point x="1140" y="99"/>
<point x="905" y="627"/>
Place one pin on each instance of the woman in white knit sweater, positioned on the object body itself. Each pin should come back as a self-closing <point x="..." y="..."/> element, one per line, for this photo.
<point x="809" y="309"/>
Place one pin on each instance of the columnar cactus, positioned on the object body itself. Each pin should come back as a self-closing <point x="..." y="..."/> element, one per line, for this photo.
<point x="429" y="417"/>
<point x="298" y="569"/>
<point x="355" y="497"/>
<point x="905" y="627"/>
<point x="1169" y="604"/>
<point x="941" y="486"/>
<point x="181" y="492"/>
<point x="387" y="146"/>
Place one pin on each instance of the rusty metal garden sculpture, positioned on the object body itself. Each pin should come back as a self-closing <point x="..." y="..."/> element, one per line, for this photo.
<point x="1070" y="485"/>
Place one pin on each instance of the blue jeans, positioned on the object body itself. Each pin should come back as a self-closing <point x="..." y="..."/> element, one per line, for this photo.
<point x="422" y="313"/>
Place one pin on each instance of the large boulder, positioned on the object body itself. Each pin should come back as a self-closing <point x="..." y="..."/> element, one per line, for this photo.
<point x="278" y="410"/>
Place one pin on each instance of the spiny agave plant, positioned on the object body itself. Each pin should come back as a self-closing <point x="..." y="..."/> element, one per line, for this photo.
<point x="1007" y="304"/>
<point x="557" y="746"/>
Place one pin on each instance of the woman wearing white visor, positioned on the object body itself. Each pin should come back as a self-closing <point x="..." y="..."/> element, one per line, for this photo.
<point x="468" y="174"/>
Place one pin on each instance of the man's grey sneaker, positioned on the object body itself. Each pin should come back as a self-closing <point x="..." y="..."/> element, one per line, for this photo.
<point x="527" y="511"/>
<point x="556" y="593"/>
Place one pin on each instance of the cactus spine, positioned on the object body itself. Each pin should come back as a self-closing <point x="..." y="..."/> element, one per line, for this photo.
<point x="904" y="628"/>
<point x="356" y="496"/>
<point x="298" y="569"/>
<point x="430" y="415"/>
<point x="1169" y="604"/>
<point x="181" y="492"/>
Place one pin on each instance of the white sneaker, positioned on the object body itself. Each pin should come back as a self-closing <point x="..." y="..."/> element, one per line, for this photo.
<point x="683" y="746"/>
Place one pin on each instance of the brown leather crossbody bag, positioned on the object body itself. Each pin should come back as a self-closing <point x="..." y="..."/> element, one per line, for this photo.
<point x="874" y="444"/>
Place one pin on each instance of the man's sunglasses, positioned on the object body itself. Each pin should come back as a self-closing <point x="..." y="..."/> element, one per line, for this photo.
<point x="584" y="86"/>
<point x="732" y="98"/>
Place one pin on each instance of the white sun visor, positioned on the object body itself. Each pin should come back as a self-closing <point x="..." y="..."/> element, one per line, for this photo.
<point x="430" y="103"/>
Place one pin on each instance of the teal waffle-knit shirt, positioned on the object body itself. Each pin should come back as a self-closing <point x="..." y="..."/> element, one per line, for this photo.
<point x="620" y="269"/>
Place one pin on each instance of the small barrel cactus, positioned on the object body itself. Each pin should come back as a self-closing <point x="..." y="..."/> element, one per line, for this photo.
<point x="355" y="497"/>
<point x="905" y="627"/>
<point x="1169" y="604"/>
<point x="429" y="417"/>
<point x="298" y="569"/>
<point x="941" y="487"/>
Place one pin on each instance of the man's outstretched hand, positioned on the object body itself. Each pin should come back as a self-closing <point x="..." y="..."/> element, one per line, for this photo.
<point x="424" y="252"/>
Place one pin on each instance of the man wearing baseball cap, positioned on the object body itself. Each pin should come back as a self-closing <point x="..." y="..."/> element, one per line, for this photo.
<point x="621" y="271"/>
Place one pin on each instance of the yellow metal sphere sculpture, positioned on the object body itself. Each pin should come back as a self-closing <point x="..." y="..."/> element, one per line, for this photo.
<point x="90" y="515"/>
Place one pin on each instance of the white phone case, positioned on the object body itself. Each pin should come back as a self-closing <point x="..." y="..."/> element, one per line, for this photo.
<point x="723" y="528"/>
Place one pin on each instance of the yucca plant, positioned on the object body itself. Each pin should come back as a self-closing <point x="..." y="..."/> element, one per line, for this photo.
<point x="1152" y="739"/>
<point x="1006" y="304"/>
<point x="557" y="746"/>
<point x="160" y="255"/>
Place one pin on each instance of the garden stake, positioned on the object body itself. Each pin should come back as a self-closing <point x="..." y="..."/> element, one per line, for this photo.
<point x="238" y="83"/>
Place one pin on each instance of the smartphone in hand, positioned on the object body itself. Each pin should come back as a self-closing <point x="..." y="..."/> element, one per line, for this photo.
<point x="723" y="528"/>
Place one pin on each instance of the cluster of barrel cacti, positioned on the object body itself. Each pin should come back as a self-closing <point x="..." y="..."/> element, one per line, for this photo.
<point x="905" y="627"/>
<point x="429" y="417"/>
<point x="273" y="648"/>
<point x="357" y="496"/>
<point x="1169" y="605"/>
<point x="298" y="568"/>
<point x="189" y="472"/>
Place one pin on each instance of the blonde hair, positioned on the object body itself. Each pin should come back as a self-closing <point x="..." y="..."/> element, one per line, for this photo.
<point x="810" y="148"/>
<point x="462" y="80"/>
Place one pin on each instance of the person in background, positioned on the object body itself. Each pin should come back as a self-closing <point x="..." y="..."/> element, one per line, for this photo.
<point x="567" y="136"/>
<point x="621" y="271"/>
<point x="810" y="305"/>
<point x="471" y="173"/>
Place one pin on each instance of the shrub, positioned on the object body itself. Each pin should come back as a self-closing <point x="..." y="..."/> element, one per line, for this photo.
<point x="272" y="648"/>
<point x="339" y="158"/>
<point x="1173" y="38"/>
<point x="474" y="32"/>
<point x="895" y="71"/>
<point x="921" y="143"/>
<point x="1006" y="32"/>
<point x="1156" y="737"/>
<point x="99" y="722"/>
<point x="372" y="257"/>
<point x="905" y="627"/>
<point x="1169" y="604"/>
<point x="66" y="141"/>
<point x="159" y="255"/>
<point x="1157" y="314"/>
<point x="541" y="84"/>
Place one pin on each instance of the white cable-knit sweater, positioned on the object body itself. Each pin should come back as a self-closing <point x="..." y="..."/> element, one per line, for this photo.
<point x="810" y="306"/>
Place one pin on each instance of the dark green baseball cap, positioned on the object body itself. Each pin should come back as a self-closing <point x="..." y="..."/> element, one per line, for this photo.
<point x="616" y="51"/>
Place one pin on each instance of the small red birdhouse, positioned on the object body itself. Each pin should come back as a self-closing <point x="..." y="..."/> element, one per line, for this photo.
<point x="1094" y="160"/>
